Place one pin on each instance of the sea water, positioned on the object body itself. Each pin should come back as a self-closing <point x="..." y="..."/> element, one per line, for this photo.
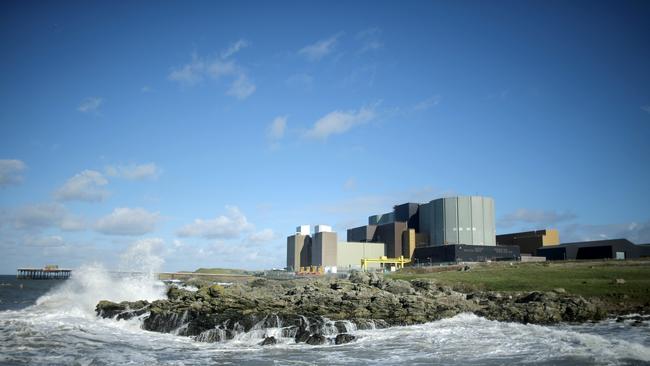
<point x="54" y="323"/>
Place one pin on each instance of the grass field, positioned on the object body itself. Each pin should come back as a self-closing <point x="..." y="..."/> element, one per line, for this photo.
<point x="589" y="279"/>
<point x="222" y="271"/>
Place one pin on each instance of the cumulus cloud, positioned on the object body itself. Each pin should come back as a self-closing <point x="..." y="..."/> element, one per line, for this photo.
<point x="277" y="128"/>
<point x="262" y="236"/>
<point x="539" y="218"/>
<point x="43" y="241"/>
<point x="85" y="186"/>
<point x="128" y="221"/>
<point x="91" y="104"/>
<point x="228" y="226"/>
<point x="320" y="49"/>
<point x="134" y="171"/>
<point x="234" y="48"/>
<point x="241" y="88"/>
<point x="201" y="68"/>
<point x="40" y="216"/>
<point x="338" y="122"/>
<point x="11" y="172"/>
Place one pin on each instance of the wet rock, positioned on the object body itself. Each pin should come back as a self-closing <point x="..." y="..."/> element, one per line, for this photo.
<point x="316" y="339"/>
<point x="269" y="341"/>
<point x="344" y="338"/>
<point x="302" y="336"/>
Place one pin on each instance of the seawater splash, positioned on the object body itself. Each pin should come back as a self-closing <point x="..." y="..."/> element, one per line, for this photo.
<point x="91" y="283"/>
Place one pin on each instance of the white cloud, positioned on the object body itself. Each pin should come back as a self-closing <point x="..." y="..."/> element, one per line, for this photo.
<point x="134" y="171"/>
<point x="277" y="128"/>
<point x="320" y="49"/>
<point x="427" y="103"/>
<point x="540" y="219"/>
<point x="217" y="69"/>
<point x="146" y="89"/>
<point x="128" y="221"/>
<point x="11" y="171"/>
<point x="338" y="122"/>
<point x="241" y="88"/>
<point x="200" y="68"/>
<point x="189" y="74"/>
<point x="228" y="226"/>
<point x="234" y="48"/>
<point x="370" y="39"/>
<point x="263" y="236"/>
<point x="85" y="186"/>
<point x="41" y="216"/>
<point x="90" y="104"/>
<point x="646" y="108"/>
<point x="44" y="241"/>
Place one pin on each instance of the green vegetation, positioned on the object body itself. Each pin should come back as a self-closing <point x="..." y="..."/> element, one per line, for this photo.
<point x="222" y="271"/>
<point x="589" y="279"/>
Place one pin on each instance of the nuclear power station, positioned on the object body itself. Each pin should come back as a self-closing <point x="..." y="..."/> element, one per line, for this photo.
<point x="443" y="230"/>
<point x="450" y="229"/>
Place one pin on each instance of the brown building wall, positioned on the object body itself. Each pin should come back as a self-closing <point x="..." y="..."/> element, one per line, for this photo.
<point x="529" y="241"/>
<point x="298" y="251"/>
<point x="323" y="249"/>
<point x="391" y="235"/>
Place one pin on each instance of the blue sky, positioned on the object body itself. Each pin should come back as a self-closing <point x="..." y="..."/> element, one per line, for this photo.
<point x="207" y="131"/>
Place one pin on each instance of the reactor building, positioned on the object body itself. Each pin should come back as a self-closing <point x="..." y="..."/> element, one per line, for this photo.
<point x="450" y="229"/>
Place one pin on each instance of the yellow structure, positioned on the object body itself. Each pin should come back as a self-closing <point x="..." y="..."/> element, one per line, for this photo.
<point x="398" y="262"/>
<point x="552" y="237"/>
<point x="312" y="270"/>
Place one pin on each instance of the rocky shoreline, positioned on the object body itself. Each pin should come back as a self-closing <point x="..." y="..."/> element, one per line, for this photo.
<point x="326" y="310"/>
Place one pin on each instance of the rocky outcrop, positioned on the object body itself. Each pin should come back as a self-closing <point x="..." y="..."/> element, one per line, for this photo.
<point x="319" y="311"/>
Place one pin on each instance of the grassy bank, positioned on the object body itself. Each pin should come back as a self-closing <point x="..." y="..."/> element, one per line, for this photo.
<point x="589" y="279"/>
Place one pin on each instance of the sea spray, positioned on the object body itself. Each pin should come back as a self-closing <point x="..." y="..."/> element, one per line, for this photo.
<point x="91" y="283"/>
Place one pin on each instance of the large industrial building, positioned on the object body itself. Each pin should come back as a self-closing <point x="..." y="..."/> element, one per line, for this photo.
<point x="322" y="249"/>
<point x="451" y="229"/>
<point x="443" y="230"/>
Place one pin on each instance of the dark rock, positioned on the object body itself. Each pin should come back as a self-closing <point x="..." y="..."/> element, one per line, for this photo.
<point x="344" y="338"/>
<point x="302" y="336"/>
<point x="316" y="339"/>
<point x="269" y="341"/>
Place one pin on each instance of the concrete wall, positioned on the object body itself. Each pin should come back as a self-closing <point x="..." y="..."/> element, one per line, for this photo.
<point x="409" y="242"/>
<point x="296" y="250"/>
<point x="349" y="254"/>
<point x="323" y="249"/>
<point x="459" y="220"/>
<point x="305" y="252"/>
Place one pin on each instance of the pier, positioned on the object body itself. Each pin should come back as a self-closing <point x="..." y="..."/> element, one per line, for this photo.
<point x="46" y="273"/>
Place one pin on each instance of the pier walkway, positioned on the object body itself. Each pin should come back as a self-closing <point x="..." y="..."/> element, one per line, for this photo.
<point x="43" y="273"/>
